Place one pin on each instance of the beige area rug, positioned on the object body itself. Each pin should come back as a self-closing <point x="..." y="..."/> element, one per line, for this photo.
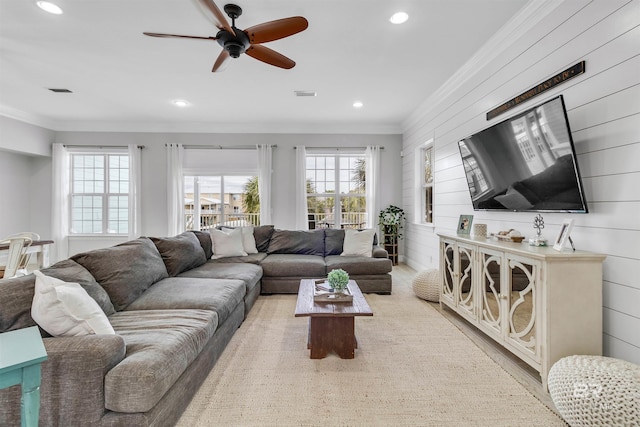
<point x="412" y="368"/>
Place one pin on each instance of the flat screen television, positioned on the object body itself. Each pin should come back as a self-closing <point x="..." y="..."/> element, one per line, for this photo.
<point x="525" y="163"/>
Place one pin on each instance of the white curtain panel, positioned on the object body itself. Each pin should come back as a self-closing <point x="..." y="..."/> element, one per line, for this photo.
<point x="135" y="178"/>
<point x="302" y="213"/>
<point x="60" y="203"/>
<point x="372" y="176"/>
<point x="265" y="155"/>
<point x="175" y="191"/>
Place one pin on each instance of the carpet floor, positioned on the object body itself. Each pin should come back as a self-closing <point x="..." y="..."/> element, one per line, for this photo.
<point x="412" y="368"/>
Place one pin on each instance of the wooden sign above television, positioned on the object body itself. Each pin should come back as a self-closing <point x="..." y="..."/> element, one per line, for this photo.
<point x="559" y="78"/>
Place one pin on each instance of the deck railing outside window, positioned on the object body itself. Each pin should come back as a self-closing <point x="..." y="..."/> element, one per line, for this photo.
<point x="213" y="220"/>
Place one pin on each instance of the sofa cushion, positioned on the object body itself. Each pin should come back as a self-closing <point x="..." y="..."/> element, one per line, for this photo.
<point x="227" y="243"/>
<point x="358" y="243"/>
<point x="249" y="259"/>
<point x="180" y="253"/>
<point x="358" y="265"/>
<point x="333" y="241"/>
<point x="297" y="242"/>
<point x="219" y="295"/>
<point x="262" y="234"/>
<point x="125" y="271"/>
<point x="205" y="241"/>
<point x="248" y="239"/>
<point x="160" y="345"/>
<point x="70" y="271"/>
<point x="65" y="309"/>
<point x="250" y="274"/>
<point x="16" y="296"/>
<point x="292" y="265"/>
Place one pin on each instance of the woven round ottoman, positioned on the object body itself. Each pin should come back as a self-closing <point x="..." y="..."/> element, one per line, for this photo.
<point x="426" y="285"/>
<point x="596" y="391"/>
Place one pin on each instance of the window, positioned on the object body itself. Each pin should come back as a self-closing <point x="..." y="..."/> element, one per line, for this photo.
<point x="99" y="193"/>
<point x="424" y="183"/>
<point x="213" y="200"/>
<point x="336" y="196"/>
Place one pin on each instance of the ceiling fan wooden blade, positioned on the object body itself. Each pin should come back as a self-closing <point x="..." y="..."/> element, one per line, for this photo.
<point x="216" y="15"/>
<point x="222" y="62"/>
<point x="275" y="30"/>
<point x="270" y="56"/>
<point x="177" y="36"/>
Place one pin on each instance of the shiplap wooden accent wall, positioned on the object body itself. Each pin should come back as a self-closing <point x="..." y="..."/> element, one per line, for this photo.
<point x="603" y="107"/>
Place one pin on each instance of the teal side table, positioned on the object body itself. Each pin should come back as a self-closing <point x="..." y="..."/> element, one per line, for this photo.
<point x="21" y="353"/>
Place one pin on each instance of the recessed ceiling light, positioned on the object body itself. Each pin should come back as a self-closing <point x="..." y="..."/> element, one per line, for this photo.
<point x="180" y="103"/>
<point x="399" y="18"/>
<point x="49" y="7"/>
<point x="358" y="104"/>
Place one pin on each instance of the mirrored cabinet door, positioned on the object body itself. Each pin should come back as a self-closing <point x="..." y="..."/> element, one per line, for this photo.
<point x="465" y="288"/>
<point x="447" y="268"/>
<point x="522" y="306"/>
<point x="491" y="300"/>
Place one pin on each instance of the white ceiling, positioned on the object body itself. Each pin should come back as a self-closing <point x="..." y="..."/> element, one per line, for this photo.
<point x="123" y="80"/>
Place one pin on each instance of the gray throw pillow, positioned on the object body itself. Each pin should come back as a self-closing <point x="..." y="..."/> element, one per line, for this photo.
<point x="180" y="253"/>
<point x="125" y="271"/>
<point x="205" y="241"/>
<point x="297" y="242"/>
<point x="262" y="234"/>
<point x="16" y="296"/>
<point x="333" y="241"/>
<point x="70" y="271"/>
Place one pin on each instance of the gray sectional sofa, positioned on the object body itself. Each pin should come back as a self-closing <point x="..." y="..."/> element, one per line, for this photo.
<point x="173" y="310"/>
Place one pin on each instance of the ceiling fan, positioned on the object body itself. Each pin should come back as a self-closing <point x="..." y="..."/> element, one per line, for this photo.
<point x="235" y="42"/>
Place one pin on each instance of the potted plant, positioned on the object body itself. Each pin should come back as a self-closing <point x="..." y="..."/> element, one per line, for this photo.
<point x="391" y="221"/>
<point x="338" y="279"/>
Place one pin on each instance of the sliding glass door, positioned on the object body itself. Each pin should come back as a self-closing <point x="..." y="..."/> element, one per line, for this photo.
<point x="214" y="200"/>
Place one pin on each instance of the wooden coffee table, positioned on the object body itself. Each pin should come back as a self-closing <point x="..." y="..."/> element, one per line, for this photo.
<point x="331" y="324"/>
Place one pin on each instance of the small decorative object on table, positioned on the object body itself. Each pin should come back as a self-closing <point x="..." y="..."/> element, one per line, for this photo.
<point x="564" y="235"/>
<point x="480" y="230"/>
<point x="510" y="235"/>
<point x="464" y="224"/>
<point x="538" y="224"/>
<point x="334" y="289"/>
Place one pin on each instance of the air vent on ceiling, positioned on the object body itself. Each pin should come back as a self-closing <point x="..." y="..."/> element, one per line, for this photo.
<point x="60" y="90"/>
<point x="305" y="92"/>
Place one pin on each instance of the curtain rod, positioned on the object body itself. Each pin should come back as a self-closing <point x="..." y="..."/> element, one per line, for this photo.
<point x="337" y="148"/>
<point x="99" y="146"/>
<point x="222" y="147"/>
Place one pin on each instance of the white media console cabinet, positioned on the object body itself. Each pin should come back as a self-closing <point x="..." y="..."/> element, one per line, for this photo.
<point x="539" y="303"/>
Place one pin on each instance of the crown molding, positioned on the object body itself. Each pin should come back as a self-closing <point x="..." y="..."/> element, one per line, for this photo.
<point x="527" y="18"/>
<point x="247" y="128"/>
<point x="22" y="116"/>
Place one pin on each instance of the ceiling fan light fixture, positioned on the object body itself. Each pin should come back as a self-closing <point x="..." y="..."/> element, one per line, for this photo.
<point x="49" y="7"/>
<point x="399" y="18"/>
<point x="180" y="103"/>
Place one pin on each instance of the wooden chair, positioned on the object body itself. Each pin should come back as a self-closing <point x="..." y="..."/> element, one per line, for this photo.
<point x="18" y="258"/>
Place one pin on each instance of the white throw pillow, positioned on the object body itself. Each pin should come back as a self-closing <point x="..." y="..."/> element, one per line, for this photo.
<point x="358" y="242"/>
<point x="65" y="309"/>
<point x="227" y="243"/>
<point x="248" y="240"/>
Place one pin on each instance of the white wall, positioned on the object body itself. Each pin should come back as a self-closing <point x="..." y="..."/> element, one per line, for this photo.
<point x="15" y="193"/>
<point x="604" y="112"/>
